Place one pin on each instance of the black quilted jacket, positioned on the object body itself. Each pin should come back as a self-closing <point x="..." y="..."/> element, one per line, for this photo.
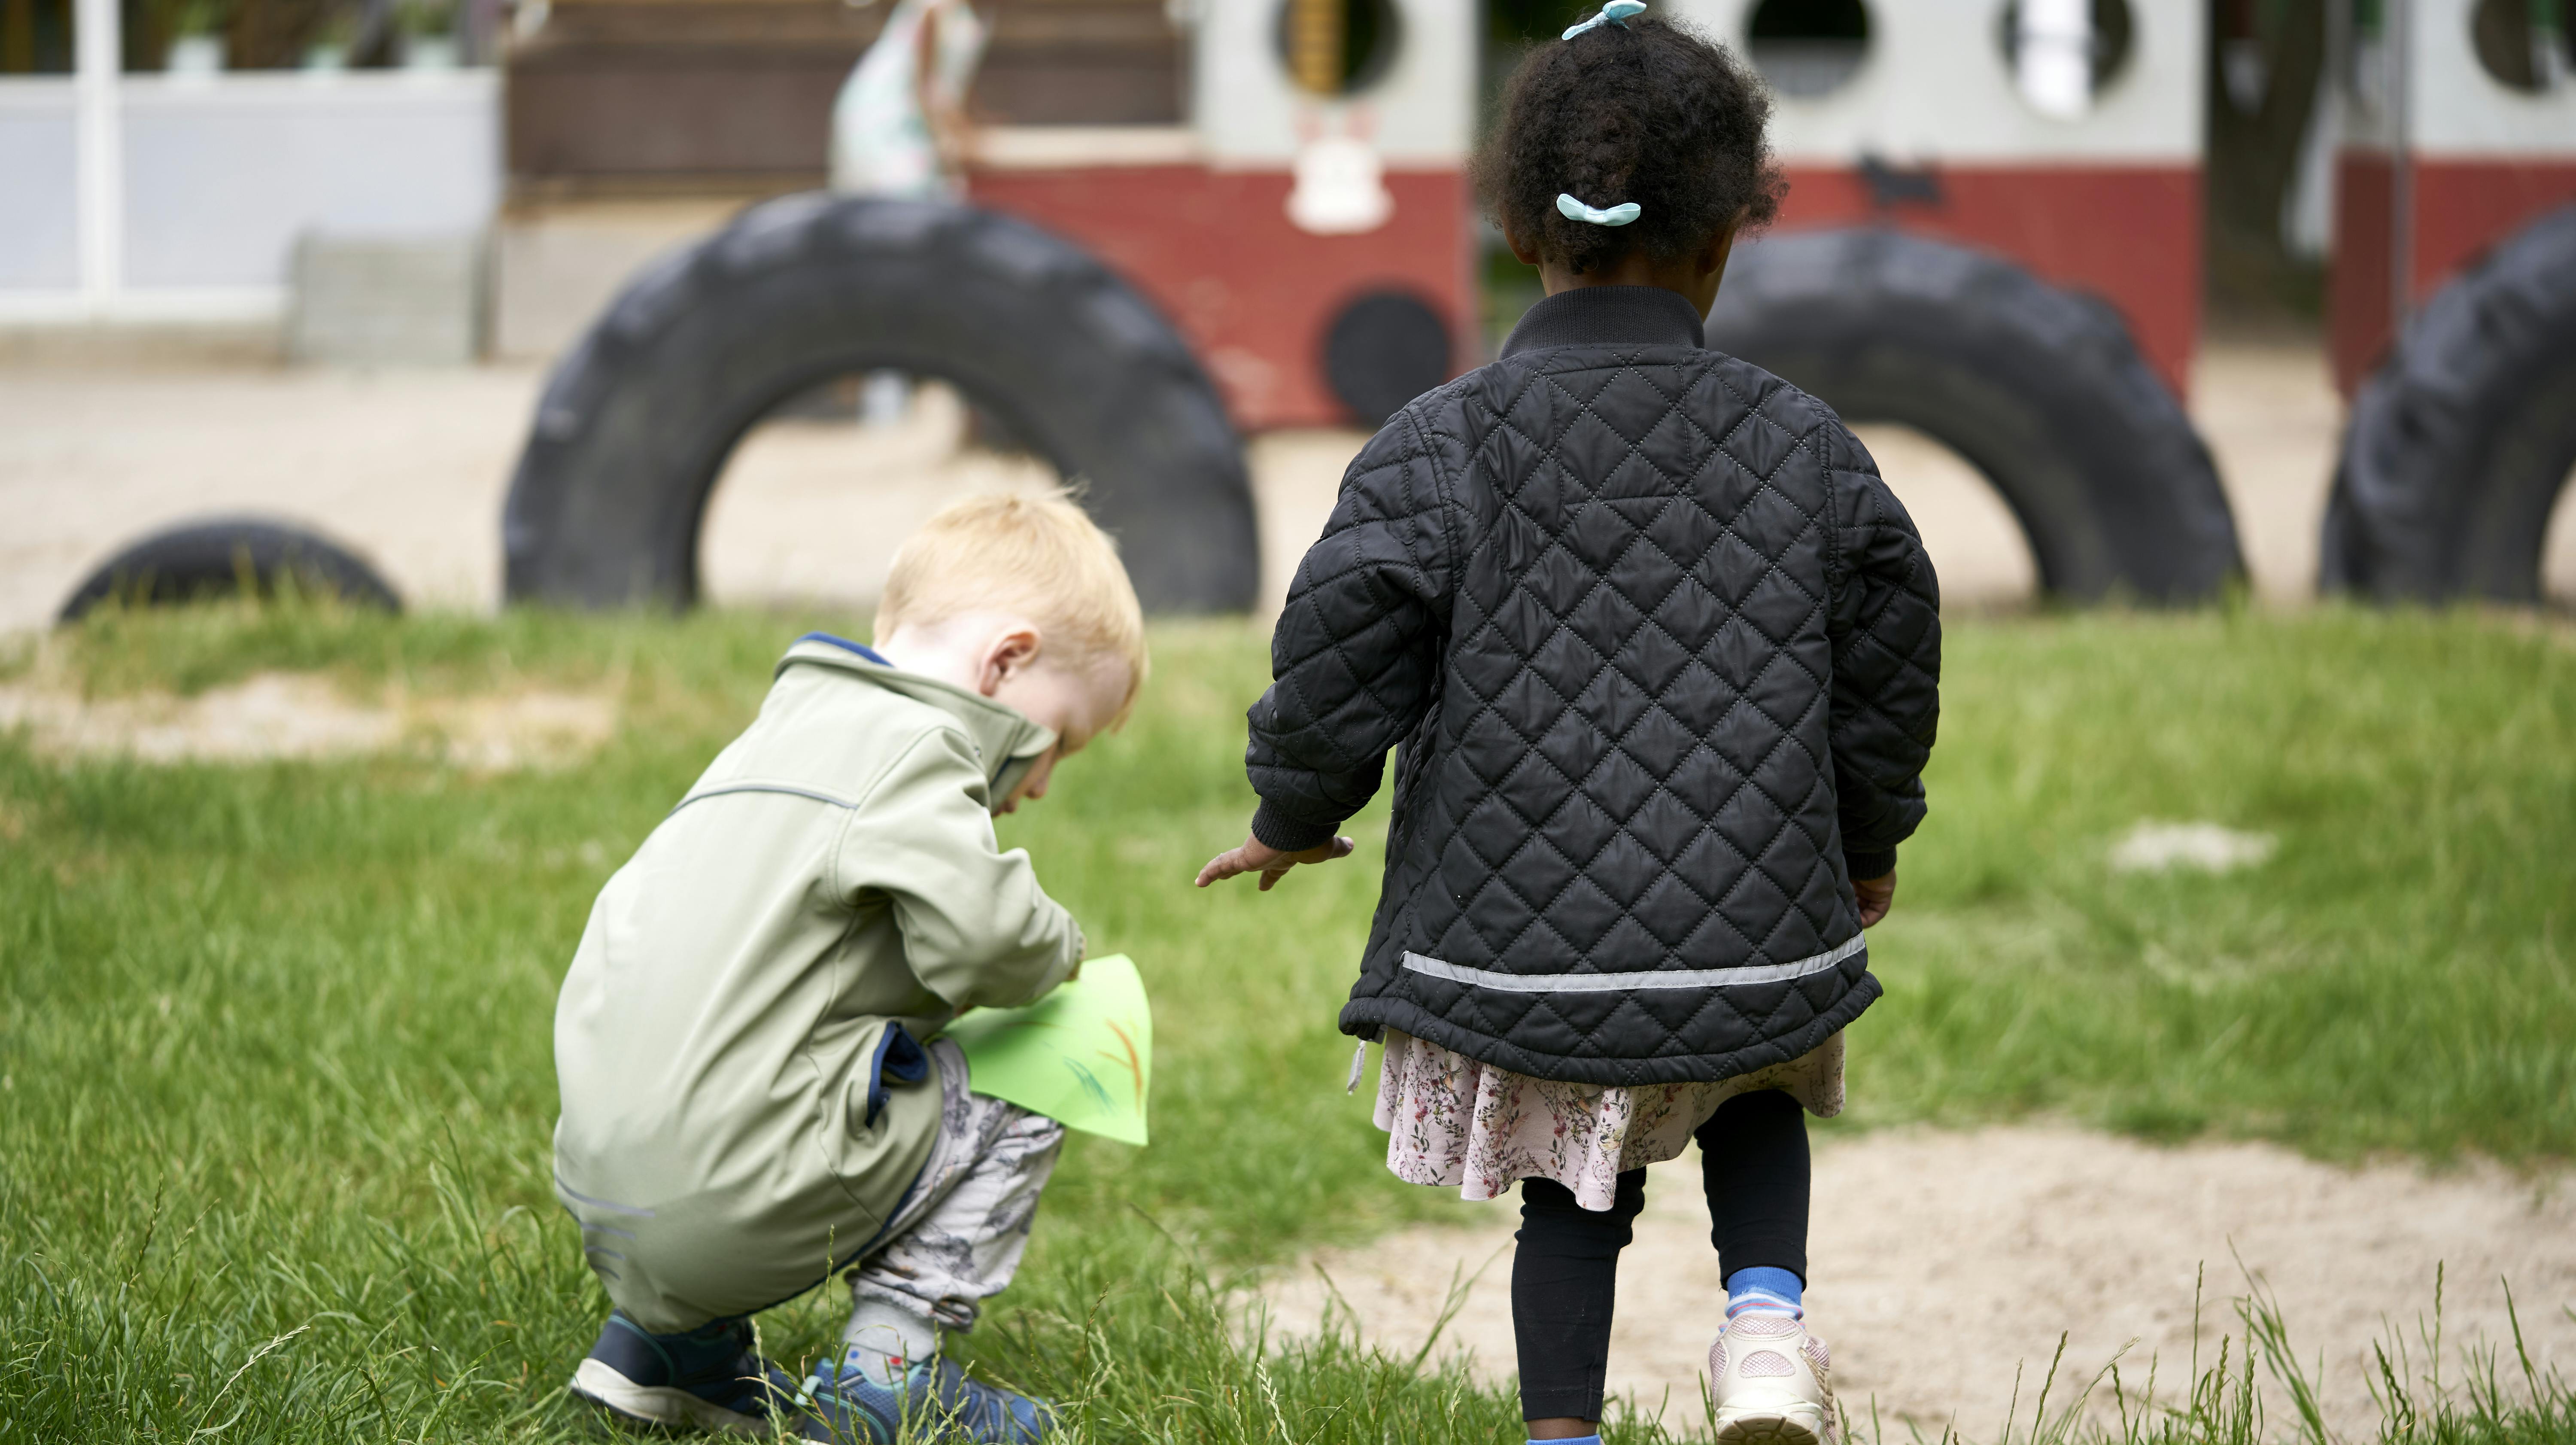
<point x="1661" y="653"/>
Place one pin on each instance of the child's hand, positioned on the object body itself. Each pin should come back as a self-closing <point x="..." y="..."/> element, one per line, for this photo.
<point x="1877" y="895"/>
<point x="1269" y="862"/>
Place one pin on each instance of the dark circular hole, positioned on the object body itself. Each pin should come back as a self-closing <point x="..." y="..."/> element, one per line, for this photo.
<point x="2113" y="37"/>
<point x="1807" y="47"/>
<point x="1383" y="350"/>
<point x="1338" y="47"/>
<point x="2526" y="45"/>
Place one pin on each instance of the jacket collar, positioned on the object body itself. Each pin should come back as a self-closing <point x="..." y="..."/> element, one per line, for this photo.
<point x="1002" y="735"/>
<point x="1608" y="316"/>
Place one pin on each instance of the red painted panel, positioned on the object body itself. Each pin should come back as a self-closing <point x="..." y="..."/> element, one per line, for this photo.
<point x="2461" y="209"/>
<point x="1254" y="294"/>
<point x="2130" y="234"/>
<point x="1215" y="250"/>
<point x="2357" y="282"/>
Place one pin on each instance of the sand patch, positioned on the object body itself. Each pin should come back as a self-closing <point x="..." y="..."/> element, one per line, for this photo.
<point x="1976" y="545"/>
<point x="2153" y="847"/>
<point x="1942" y="1262"/>
<point x="287" y="715"/>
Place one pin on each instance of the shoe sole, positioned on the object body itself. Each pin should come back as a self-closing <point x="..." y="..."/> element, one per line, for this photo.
<point x="1765" y="1427"/>
<point x="656" y="1407"/>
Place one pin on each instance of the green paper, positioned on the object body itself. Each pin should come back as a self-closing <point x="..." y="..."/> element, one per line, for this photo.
<point x="1083" y="1055"/>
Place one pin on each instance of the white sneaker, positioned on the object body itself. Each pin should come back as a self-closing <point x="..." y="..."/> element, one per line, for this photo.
<point x="1769" y="1379"/>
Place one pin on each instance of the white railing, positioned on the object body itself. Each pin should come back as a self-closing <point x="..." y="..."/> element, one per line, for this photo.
<point x="180" y="197"/>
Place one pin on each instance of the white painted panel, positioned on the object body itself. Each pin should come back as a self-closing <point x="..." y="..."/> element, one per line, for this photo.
<point x="1935" y="87"/>
<point x="222" y="176"/>
<point x="2461" y="110"/>
<point x="1421" y="113"/>
<point x="39" y="185"/>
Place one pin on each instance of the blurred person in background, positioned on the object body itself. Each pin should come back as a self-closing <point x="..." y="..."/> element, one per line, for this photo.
<point x="899" y="126"/>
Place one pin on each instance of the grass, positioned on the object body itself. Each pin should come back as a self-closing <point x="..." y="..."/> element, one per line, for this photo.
<point x="275" y="1076"/>
<point x="2397" y="977"/>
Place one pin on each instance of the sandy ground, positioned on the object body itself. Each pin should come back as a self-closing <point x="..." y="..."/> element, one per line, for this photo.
<point x="280" y="715"/>
<point x="1942" y="1263"/>
<point x="411" y="468"/>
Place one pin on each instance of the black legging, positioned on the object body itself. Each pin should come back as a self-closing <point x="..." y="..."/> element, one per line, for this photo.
<point x="1753" y="1163"/>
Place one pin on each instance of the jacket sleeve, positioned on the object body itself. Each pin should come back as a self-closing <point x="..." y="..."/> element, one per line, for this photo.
<point x="1356" y="653"/>
<point x="1886" y="633"/>
<point x="977" y="929"/>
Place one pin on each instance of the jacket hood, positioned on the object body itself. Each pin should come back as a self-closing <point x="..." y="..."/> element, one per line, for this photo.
<point x="1003" y="735"/>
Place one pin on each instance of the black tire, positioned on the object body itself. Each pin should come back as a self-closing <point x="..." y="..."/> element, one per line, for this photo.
<point x="2039" y="388"/>
<point x="2460" y="443"/>
<point x="216" y="557"/>
<point x="1384" y="349"/>
<point x="637" y="420"/>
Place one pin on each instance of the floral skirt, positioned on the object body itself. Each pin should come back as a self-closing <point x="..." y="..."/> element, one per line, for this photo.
<point x="1452" y="1121"/>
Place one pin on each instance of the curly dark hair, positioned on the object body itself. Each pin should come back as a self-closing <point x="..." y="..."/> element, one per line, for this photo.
<point x="1653" y="112"/>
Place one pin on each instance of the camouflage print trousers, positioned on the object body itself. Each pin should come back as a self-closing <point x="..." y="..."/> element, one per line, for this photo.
<point x="958" y="1236"/>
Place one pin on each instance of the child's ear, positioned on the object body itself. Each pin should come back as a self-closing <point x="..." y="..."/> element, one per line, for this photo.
<point x="1721" y="244"/>
<point x="1009" y="655"/>
<point x="1526" y="255"/>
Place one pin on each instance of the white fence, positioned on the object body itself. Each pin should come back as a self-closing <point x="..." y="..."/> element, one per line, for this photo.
<point x="180" y="197"/>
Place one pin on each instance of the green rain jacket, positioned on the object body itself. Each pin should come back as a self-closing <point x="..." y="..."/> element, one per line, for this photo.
<point x="741" y="1113"/>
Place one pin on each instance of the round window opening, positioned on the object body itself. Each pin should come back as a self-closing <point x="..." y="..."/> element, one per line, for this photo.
<point x="1808" y="48"/>
<point x="2064" y="53"/>
<point x="1338" y="47"/>
<point x="2526" y="45"/>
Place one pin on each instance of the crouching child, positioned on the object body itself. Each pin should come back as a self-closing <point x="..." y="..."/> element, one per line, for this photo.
<point x="755" y="1094"/>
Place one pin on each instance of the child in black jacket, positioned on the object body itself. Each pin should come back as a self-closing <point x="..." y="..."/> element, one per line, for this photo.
<point x="1661" y="654"/>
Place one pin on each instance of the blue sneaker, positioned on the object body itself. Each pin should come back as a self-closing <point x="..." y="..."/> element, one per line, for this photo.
<point x="708" y="1379"/>
<point x="934" y="1401"/>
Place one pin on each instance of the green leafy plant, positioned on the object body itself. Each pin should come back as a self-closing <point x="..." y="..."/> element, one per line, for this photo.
<point x="423" y="18"/>
<point x="185" y="18"/>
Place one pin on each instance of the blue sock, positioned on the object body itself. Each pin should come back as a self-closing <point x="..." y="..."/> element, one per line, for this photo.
<point x="1577" y="1440"/>
<point x="1765" y="1288"/>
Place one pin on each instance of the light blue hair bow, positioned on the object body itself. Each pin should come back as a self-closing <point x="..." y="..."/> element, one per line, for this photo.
<point x="1617" y="13"/>
<point x="1618" y="215"/>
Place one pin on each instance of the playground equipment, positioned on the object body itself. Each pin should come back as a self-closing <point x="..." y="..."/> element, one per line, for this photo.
<point x="637" y="421"/>
<point x="1119" y="297"/>
<point x="2038" y="387"/>
<point x="1300" y="253"/>
<point x="219" y="556"/>
<point x="2454" y="301"/>
<point x="1318" y="195"/>
<point x="2062" y="134"/>
<point x="2457" y="123"/>
<point x="1933" y="144"/>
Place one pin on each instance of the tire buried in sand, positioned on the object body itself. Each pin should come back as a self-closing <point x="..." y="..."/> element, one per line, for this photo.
<point x="2460" y="443"/>
<point x="2039" y="388"/>
<point x="638" y="419"/>
<point x="224" y="557"/>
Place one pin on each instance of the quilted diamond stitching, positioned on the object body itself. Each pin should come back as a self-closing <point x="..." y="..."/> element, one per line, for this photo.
<point x="1607" y="526"/>
<point x="1683" y="576"/>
